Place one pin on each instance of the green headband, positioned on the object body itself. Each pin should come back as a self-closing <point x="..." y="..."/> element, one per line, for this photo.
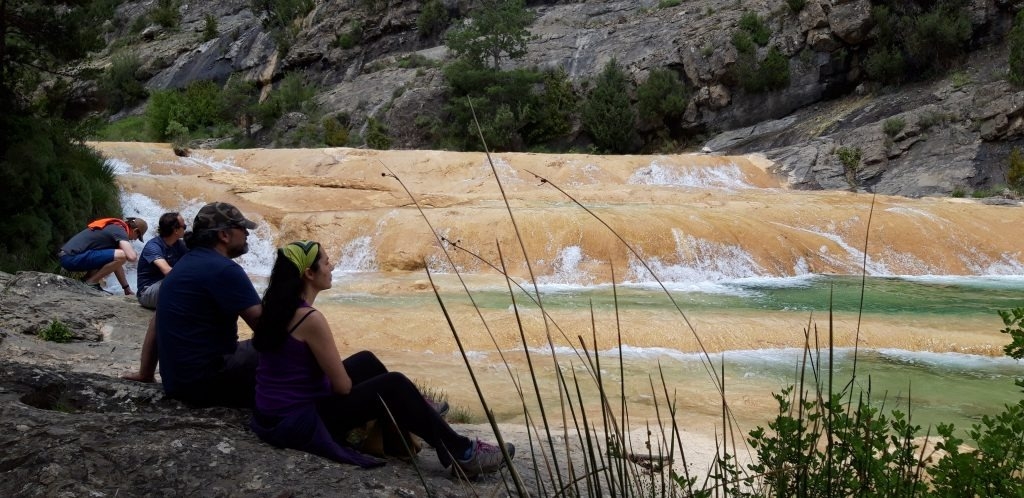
<point x="301" y="253"/>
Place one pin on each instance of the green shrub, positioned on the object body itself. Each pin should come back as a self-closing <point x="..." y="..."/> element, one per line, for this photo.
<point x="743" y="42"/>
<point x="1015" y="41"/>
<point x="958" y="192"/>
<point x="56" y="332"/>
<point x="200" y="108"/>
<point x="664" y="4"/>
<point x="433" y="19"/>
<point x="755" y="26"/>
<point x="795" y="6"/>
<point x="377" y="135"/>
<point x="850" y="159"/>
<point x="607" y="115"/>
<point x="662" y="98"/>
<point x="770" y="74"/>
<point x="335" y="130"/>
<point x="210" y="28"/>
<point x="893" y="126"/>
<point x="885" y="64"/>
<point x="1015" y="171"/>
<point x="128" y="129"/>
<point x="932" y="118"/>
<point x="119" y="86"/>
<point x="550" y="117"/>
<point x="939" y="36"/>
<point x="350" y="38"/>
<point x="490" y="90"/>
<point x="280" y="18"/>
<point x="166" y="14"/>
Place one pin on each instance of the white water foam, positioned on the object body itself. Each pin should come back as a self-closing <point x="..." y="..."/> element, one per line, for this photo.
<point x="119" y="167"/>
<point x="700" y="260"/>
<point x="566" y="270"/>
<point x="851" y="259"/>
<point x="728" y="176"/>
<point x="259" y="261"/>
<point x="359" y="255"/>
<point x="199" y="159"/>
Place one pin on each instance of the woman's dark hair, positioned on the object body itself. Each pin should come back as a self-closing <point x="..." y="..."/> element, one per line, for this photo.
<point x="280" y="301"/>
<point x="167" y="225"/>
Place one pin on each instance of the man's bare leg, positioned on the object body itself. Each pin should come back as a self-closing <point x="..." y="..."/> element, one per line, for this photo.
<point x="148" y="358"/>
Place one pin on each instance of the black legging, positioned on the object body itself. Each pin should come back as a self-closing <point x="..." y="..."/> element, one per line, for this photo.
<point x="371" y="383"/>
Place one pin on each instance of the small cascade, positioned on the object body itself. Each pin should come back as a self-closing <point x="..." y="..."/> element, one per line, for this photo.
<point x="259" y="261"/>
<point x="726" y="176"/>
<point x="359" y="255"/>
<point x="566" y="269"/>
<point x="698" y="261"/>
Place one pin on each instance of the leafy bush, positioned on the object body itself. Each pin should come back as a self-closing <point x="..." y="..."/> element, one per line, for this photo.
<point x="335" y="130"/>
<point x="279" y="17"/>
<point x="551" y="116"/>
<point x="514" y="92"/>
<point x="433" y="19"/>
<point x="119" y="85"/>
<point x="495" y="30"/>
<point x="885" y="64"/>
<point x="607" y="115"/>
<point x="939" y="37"/>
<point x="198" y="108"/>
<point x="377" y="135"/>
<point x="664" y="4"/>
<point x="1015" y="41"/>
<point x="795" y="6"/>
<point x="56" y="332"/>
<point x="210" y="28"/>
<point x="1015" y="172"/>
<point x="893" y="126"/>
<point x="913" y="41"/>
<point x="850" y="158"/>
<point x="752" y="23"/>
<point x="770" y="74"/>
<point x="662" y="97"/>
<point x="350" y="38"/>
<point x="743" y="42"/>
<point x="166" y="14"/>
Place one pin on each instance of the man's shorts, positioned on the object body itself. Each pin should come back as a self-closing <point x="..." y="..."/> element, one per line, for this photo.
<point x="88" y="260"/>
<point x="148" y="297"/>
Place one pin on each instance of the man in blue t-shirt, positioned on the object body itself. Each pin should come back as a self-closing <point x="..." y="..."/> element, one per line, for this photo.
<point x="201" y="360"/>
<point x="158" y="257"/>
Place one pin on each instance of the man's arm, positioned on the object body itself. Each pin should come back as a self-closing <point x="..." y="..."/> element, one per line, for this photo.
<point x="251" y="315"/>
<point x="162" y="265"/>
<point x="129" y="251"/>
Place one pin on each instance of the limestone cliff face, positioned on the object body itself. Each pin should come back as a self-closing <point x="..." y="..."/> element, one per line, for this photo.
<point x="962" y="127"/>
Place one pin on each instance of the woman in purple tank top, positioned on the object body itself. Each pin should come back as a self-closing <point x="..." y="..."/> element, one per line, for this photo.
<point x="308" y="398"/>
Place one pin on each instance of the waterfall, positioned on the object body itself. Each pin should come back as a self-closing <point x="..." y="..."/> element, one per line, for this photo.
<point x="259" y="261"/>
<point x="728" y="177"/>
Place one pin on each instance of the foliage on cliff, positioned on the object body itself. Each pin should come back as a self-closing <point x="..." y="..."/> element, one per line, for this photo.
<point x="53" y="183"/>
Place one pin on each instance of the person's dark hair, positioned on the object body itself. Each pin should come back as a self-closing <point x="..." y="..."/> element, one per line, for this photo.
<point x="167" y="225"/>
<point x="280" y="301"/>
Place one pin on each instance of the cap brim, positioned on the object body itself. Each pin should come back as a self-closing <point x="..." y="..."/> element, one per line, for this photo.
<point x="248" y="224"/>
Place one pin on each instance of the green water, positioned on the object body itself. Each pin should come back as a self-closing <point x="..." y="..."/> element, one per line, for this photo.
<point x="933" y="387"/>
<point x="961" y="296"/>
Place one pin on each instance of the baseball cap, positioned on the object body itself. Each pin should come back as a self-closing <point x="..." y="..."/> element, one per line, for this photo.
<point x="220" y="215"/>
<point x="140" y="226"/>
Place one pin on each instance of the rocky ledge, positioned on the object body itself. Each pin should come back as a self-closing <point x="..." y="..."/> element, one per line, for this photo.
<point x="70" y="427"/>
